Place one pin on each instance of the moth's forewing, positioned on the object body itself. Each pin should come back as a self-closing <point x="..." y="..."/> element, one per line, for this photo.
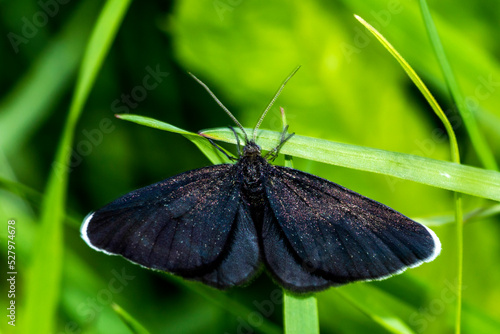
<point x="339" y="235"/>
<point x="192" y="225"/>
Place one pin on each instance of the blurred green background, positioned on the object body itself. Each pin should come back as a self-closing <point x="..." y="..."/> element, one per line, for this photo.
<point x="349" y="89"/>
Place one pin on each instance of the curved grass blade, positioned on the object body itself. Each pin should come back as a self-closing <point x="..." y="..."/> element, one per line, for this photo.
<point x="420" y="85"/>
<point x="202" y="143"/>
<point x="442" y="174"/>
<point x="43" y="282"/>
<point x="454" y="154"/>
<point x="134" y="325"/>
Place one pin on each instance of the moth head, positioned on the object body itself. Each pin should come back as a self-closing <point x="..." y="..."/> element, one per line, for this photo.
<point x="251" y="150"/>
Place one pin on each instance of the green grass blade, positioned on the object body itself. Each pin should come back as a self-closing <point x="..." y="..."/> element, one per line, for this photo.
<point x="460" y="259"/>
<point x="300" y="314"/>
<point x="203" y="144"/>
<point x="134" y="325"/>
<point x="43" y="283"/>
<point x="483" y="151"/>
<point x="442" y="174"/>
<point x="478" y="141"/>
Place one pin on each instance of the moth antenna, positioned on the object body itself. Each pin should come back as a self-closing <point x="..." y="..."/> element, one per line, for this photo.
<point x="220" y="105"/>
<point x="254" y="135"/>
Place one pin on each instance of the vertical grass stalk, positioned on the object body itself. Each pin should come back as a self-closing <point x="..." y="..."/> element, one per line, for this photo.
<point x="484" y="153"/>
<point x="482" y="149"/>
<point x="43" y="283"/>
<point x="300" y="313"/>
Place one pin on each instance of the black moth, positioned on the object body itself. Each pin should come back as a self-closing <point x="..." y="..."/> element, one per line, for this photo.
<point x="218" y="224"/>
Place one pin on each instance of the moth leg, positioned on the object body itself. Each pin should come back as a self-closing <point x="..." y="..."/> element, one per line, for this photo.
<point x="237" y="141"/>
<point x="273" y="154"/>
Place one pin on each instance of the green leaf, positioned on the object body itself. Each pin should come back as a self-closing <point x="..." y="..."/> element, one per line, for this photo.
<point x="442" y="174"/>
<point x="43" y="282"/>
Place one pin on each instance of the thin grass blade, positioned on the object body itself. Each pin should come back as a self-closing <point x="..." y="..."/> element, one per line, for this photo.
<point x="203" y="144"/>
<point x="134" y="325"/>
<point x="479" y="143"/>
<point x="43" y="282"/>
<point x="442" y="174"/>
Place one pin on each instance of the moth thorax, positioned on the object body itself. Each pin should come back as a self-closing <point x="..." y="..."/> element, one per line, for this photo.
<point x="251" y="170"/>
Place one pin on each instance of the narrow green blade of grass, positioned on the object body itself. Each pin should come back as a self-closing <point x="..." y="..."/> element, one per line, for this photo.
<point x="31" y="99"/>
<point x="43" y="282"/>
<point x="478" y="141"/>
<point x="300" y="314"/>
<point x="420" y="85"/>
<point x="481" y="147"/>
<point x="203" y="144"/>
<point x="453" y="146"/>
<point x="134" y="325"/>
<point x="442" y="174"/>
